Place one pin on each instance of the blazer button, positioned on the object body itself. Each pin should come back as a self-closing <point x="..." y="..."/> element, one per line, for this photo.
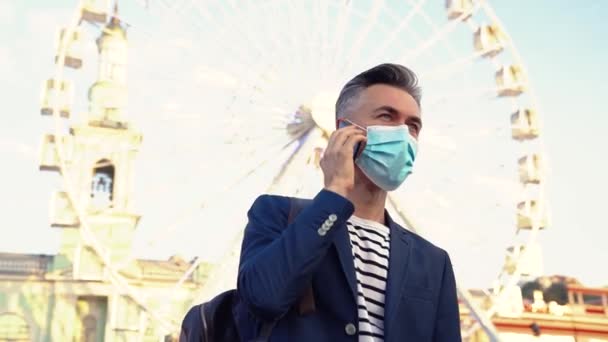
<point x="350" y="329"/>
<point x="333" y="217"/>
<point x="321" y="231"/>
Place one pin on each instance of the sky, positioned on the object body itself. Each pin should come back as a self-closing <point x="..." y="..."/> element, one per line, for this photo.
<point x="560" y="42"/>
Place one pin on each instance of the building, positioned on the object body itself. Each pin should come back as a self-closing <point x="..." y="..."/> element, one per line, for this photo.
<point x="93" y="289"/>
<point x="583" y="317"/>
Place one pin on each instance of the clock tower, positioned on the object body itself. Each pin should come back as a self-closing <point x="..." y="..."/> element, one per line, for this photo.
<point x="99" y="156"/>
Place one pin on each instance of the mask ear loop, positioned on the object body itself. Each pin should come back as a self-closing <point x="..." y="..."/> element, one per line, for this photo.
<point x="340" y="120"/>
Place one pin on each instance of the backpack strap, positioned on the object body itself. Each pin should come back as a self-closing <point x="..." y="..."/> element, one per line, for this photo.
<point x="306" y="303"/>
<point x="206" y="328"/>
<point x="295" y="206"/>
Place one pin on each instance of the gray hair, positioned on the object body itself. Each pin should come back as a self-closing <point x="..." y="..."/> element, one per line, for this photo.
<point x="395" y="75"/>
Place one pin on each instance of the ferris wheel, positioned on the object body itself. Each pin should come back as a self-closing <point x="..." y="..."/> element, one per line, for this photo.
<point x="237" y="98"/>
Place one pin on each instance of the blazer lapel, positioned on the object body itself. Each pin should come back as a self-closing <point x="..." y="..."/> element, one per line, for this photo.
<point x="345" y="253"/>
<point x="397" y="271"/>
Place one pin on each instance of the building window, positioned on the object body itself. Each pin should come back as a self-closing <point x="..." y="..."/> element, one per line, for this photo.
<point x="102" y="185"/>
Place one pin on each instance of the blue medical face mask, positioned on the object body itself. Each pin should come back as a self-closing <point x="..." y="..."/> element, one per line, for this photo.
<point x="388" y="156"/>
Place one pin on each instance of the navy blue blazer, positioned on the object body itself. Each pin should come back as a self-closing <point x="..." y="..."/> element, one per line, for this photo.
<point x="278" y="262"/>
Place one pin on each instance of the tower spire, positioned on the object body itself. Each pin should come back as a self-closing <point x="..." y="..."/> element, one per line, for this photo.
<point x="115" y="19"/>
<point x="108" y="96"/>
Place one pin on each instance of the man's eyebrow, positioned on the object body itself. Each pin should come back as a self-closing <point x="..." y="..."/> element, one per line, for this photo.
<point x="393" y="111"/>
<point x="389" y="109"/>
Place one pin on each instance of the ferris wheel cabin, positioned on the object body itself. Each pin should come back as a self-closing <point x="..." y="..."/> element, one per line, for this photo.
<point x="510" y="80"/>
<point x="530" y="214"/>
<point x="524" y="124"/>
<point x="74" y="48"/>
<point x="530" y="169"/>
<point x="489" y="40"/>
<point x="527" y="258"/>
<point x="95" y="11"/>
<point x="49" y="155"/>
<point x="459" y="9"/>
<point x="56" y="95"/>
<point x="62" y="213"/>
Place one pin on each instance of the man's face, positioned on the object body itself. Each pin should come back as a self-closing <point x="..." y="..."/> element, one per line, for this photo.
<point x="384" y="105"/>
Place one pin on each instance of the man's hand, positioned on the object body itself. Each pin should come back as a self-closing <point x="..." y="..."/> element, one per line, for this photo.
<point x="338" y="163"/>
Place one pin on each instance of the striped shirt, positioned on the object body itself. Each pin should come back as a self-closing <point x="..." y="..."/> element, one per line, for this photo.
<point x="370" y="244"/>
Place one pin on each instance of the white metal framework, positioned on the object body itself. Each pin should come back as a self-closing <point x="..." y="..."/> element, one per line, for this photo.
<point x="236" y="98"/>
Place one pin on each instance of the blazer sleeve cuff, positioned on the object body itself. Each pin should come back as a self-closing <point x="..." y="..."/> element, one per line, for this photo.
<point x="328" y="206"/>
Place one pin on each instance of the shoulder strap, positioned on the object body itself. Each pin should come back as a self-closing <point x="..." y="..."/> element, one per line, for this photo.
<point x="205" y="327"/>
<point x="306" y="303"/>
<point x="295" y="206"/>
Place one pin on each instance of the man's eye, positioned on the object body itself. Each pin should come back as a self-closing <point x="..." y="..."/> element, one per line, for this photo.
<point x="385" y="116"/>
<point x="413" y="130"/>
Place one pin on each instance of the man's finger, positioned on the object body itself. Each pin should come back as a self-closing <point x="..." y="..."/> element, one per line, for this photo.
<point x="353" y="139"/>
<point x="339" y="137"/>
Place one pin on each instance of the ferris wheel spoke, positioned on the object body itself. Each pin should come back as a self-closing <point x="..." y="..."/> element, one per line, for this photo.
<point x="312" y="34"/>
<point x="442" y="71"/>
<point x="219" y="36"/>
<point x="306" y="31"/>
<point x="297" y="169"/>
<point x="244" y="32"/>
<point x="159" y="191"/>
<point x="468" y="95"/>
<point x="259" y="118"/>
<point x="217" y="196"/>
<point x="284" y="43"/>
<point x="277" y="37"/>
<point x="273" y="26"/>
<point x="344" y="17"/>
<point x="341" y="71"/>
<point x="294" y="51"/>
<point x="202" y="76"/>
<point x="150" y="37"/>
<point x="267" y="79"/>
<point x="244" y="131"/>
<point x="288" y="164"/>
<point x="355" y="49"/>
<point x="403" y="26"/>
<point x="438" y="36"/>
<point x="325" y="58"/>
<point x="324" y="49"/>
<point x="218" y="271"/>
<point x="316" y="35"/>
<point x="435" y="28"/>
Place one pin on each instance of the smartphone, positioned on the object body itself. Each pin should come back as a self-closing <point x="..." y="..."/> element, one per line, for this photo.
<point x="356" y="152"/>
<point x="343" y="123"/>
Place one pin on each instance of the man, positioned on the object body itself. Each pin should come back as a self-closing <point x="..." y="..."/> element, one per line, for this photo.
<point x="371" y="279"/>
